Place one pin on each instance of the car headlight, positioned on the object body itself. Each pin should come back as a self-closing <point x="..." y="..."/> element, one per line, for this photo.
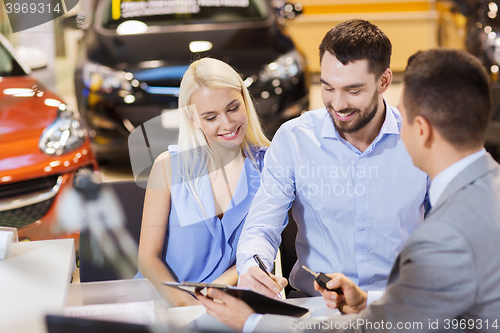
<point x="97" y="77"/>
<point x="65" y="134"/>
<point x="285" y="67"/>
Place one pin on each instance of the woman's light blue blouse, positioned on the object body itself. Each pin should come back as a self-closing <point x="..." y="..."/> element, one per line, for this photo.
<point x="197" y="248"/>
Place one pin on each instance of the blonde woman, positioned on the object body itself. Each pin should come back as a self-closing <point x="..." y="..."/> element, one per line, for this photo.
<point x="200" y="191"/>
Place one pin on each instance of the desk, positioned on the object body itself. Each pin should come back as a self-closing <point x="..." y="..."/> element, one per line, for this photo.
<point x="118" y="291"/>
<point x="34" y="281"/>
<point x="193" y="317"/>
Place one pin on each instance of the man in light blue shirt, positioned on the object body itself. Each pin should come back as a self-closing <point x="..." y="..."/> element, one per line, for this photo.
<point x="446" y="277"/>
<point x="354" y="192"/>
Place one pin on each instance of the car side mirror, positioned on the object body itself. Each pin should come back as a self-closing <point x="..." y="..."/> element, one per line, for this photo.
<point x="33" y="57"/>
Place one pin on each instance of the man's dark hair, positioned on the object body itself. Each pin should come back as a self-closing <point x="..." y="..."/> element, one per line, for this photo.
<point x="450" y="89"/>
<point x="357" y="40"/>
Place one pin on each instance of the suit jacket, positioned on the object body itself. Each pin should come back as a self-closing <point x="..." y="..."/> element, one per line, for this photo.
<point x="447" y="276"/>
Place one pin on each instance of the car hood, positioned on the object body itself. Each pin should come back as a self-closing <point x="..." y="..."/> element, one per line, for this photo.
<point x="246" y="47"/>
<point x="23" y="108"/>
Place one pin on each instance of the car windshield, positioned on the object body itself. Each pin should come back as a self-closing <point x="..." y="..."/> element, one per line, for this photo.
<point x="8" y="65"/>
<point x="173" y="12"/>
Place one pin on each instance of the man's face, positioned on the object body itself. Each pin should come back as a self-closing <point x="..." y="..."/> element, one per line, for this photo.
<point x="350" y="93"/>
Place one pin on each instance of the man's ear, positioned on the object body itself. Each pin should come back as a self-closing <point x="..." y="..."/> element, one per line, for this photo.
<point x="424" y="131"/>
<point x="384" y="81"/>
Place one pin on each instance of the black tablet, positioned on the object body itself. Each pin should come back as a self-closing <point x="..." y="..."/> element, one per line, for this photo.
<point x="258" y="302"/>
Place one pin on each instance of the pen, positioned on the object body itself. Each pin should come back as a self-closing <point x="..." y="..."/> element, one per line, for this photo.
<point x="263" y="267"/>
<point x="322" y="279"/>
<point x="261" y="264"/>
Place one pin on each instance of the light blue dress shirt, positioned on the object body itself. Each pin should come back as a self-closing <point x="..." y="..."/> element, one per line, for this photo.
<point x="197" y="248"/>
<point x="354" y="210"/>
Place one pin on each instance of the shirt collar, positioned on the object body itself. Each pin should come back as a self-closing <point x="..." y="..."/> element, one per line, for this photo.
<point x="392" y="117"/>
<point x="390" y="125"/>
<point x="441" y="181"/>
<point x="329" y="130"/>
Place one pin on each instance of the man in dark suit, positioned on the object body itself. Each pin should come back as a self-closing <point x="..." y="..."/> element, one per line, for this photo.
<point x="447" y="276"/>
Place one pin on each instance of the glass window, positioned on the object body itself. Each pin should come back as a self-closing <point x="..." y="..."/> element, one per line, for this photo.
<point x="8" y="65"/>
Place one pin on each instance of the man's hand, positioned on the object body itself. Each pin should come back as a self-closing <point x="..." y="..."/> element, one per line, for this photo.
<point x="353" y="300"/>
<point x="227" y="309"/>
<point x="257" y="280"/>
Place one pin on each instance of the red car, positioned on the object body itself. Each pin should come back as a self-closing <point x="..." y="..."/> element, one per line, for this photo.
<point x="43" y="145"/>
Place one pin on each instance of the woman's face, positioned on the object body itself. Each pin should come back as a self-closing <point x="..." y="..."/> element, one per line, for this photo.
<point x="221" y="114"/>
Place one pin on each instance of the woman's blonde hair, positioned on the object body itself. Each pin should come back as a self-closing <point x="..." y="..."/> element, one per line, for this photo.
<point x="196" y="155"/>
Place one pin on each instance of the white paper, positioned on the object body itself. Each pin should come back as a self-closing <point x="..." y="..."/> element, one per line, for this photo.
<point x="5" y="243"/>
<point x="133" y="312"/>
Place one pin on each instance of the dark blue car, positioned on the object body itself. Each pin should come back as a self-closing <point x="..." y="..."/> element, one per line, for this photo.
<point x="134" y="54"/>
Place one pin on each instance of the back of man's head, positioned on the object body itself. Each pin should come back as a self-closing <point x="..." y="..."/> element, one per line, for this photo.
<point x="357" y="40"/>
<point x="450" y="89"/>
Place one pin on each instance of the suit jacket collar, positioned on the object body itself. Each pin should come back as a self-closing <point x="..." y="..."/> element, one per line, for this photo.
<point x="474" y="171"/>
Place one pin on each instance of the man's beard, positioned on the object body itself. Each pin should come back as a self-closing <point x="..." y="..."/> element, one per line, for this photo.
<point x="363" y="119"/>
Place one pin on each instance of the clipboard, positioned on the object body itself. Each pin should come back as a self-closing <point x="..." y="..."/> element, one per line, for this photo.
<point x="258" y="302"/>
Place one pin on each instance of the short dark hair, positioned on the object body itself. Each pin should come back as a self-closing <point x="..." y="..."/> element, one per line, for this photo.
<point x="356" y="40"/>
<point x="450" y="89"/>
